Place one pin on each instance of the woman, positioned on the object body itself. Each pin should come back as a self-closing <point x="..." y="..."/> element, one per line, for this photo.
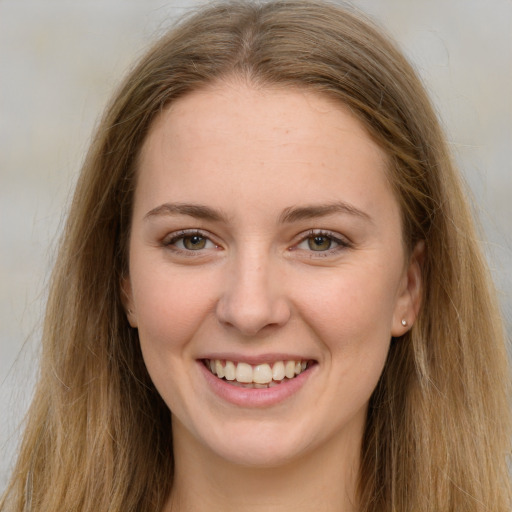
<point x="269" y="293"/>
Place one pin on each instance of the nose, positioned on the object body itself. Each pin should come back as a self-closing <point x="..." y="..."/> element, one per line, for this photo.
<point x="253" y="297"/>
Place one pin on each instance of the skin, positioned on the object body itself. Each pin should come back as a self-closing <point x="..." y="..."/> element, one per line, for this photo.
<point x="257" y="289"/>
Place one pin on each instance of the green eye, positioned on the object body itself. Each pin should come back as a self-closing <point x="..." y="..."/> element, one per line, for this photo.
<point x="323" y="243"/>
<point x="194" y="242"/>
<point x="319" y="243"/>
<point x="187" y="242"/>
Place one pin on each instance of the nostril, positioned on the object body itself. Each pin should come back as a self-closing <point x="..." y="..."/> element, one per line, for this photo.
<point x="250" y="315"/>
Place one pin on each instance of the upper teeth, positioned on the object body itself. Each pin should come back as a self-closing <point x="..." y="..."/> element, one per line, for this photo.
<point x="258" y="374"/>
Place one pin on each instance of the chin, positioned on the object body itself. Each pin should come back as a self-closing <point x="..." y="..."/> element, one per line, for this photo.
<point x="257" y="444"/>
<point x="259" y="455"/>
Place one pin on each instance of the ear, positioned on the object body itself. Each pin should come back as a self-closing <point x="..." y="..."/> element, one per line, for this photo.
<point x="127" y="301"/>
<point x="410" y="293"/>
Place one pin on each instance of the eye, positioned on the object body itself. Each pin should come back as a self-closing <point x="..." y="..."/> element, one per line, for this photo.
<point x="189" y="241"/>
<point x="194" y="242"/>
<point x="320" y="241"/>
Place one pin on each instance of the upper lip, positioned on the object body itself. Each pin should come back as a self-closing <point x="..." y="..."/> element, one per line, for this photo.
<point x="255" y="359"/>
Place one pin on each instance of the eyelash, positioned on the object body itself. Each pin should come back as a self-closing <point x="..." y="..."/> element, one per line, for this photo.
<point x="341" y="242"/>
<point x="171" y="240"/>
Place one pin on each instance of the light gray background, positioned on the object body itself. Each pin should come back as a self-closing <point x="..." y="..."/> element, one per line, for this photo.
<point x="59" y="61"/>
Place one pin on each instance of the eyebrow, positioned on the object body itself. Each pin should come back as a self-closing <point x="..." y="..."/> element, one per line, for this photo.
<point x="289" y="215"/>
<point x="294" y="214"/>
<point x="192" y="210"/>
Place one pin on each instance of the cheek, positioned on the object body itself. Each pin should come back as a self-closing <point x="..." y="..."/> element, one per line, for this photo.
<point x="351" y="315"/>
<point x="169" y="307"/>
<point x="352" y="307"/>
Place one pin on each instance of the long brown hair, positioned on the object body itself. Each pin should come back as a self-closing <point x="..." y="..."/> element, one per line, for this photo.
<point x="98" y="435"/>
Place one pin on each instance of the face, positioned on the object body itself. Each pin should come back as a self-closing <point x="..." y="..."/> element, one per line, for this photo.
<point x="267" y="271"/>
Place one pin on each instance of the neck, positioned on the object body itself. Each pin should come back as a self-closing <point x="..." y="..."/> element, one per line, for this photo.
<point x="325" y="479"/>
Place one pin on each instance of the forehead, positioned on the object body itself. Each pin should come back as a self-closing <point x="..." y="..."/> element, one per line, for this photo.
<point x="265" y="113"/>
<point x="237" y="144"/>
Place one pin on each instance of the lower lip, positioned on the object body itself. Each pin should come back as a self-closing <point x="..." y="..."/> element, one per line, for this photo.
<point x="254" y="397"/>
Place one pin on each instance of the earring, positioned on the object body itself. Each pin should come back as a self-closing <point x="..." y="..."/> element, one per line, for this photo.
<point x="404" y="322"/>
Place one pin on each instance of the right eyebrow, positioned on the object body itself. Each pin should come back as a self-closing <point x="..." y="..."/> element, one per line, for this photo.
<point x="192" y="210"/>
<point x="295" y="214"/>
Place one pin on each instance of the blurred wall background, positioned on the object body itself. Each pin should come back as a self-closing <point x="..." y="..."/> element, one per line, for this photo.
<point x="60" y="60"/>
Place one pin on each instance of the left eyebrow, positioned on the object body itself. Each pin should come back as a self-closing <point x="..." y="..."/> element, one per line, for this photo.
<point x="294" y="214"/>
<point x="192" y="210"/>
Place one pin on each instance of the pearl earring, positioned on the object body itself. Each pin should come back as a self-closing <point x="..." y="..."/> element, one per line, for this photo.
<point x="404" y="322"/>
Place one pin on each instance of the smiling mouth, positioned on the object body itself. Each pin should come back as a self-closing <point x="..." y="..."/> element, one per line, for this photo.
<point x="258" y="376"/>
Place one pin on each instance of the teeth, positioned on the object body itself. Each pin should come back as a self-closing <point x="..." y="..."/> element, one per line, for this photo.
<point x="243" y="373"/>
<point x="229" y="370"/>
<point x="259" y="376"/>
<point x="262" y="374"/>
<point x="278" y="371"/>
<point x="289" y="369"/>
<point x="219" y="369"/>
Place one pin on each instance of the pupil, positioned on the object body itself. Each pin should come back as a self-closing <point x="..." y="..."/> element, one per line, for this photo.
<point x="194" y="242"/>
<point x="319" y="243"/>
